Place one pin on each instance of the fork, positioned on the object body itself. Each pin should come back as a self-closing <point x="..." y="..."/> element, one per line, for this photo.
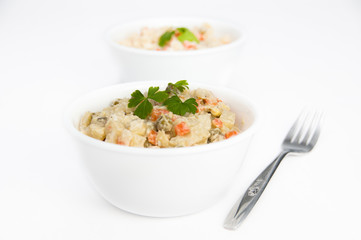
<point x="301" y="138"/>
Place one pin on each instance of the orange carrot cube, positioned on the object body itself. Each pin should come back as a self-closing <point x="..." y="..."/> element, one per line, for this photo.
<point x="217" y="123"/>
<point x="152" y="137"/>
<point x="182" y="129"/>
<point x="156" y="113"/>
<point x="230" y="134"/>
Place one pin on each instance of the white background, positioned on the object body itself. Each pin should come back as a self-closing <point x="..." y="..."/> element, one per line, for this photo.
<point x="297" y="53"/>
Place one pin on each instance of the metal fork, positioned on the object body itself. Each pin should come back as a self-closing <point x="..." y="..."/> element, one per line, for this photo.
<point x="301" y="138"/>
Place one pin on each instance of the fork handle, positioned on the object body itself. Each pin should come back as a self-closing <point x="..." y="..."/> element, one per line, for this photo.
<point x="244" y="205"/>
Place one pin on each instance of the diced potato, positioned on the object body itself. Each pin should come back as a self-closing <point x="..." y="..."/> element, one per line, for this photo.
<point x="138" y="127"/>
<point x="202" y="93"/>
<point x="125" y="137"/>
<point x="162" y="139"/>
<point x="85" y="121"/>
<point x="97" y="131"/>
<point x="127" y="119"/>
<point x="204" y="122"/>
<point x="228" y="118"/>
<point x="112" y="137"/>
<point x="114" y="126"/>
<point x="223" y="107"/>
<point x="137" y="141"/>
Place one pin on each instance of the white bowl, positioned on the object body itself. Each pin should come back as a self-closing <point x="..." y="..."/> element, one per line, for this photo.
<point x="212" y="65"/>
<point x="161" y="182"/>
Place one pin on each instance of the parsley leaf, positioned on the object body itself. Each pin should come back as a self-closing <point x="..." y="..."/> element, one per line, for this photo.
<point x="137" y="97"/>
<point x="182" y="33"/>
<point x="143" y="107"/>
<point x="179" y="86"/>
<point x="186" y="35"/>
<point x="158" y="96"/>
<point x="175" y="105"/>
<point x="165" y="38"/>
<point x="142" y="104"/>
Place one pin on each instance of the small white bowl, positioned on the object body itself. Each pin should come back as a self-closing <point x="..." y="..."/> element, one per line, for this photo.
<point x="211" y="65"/>
<point x="161" y="182"/>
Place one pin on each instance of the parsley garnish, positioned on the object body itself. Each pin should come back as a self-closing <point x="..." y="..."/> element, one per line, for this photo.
<point x="186" y="35"/>
<point x="183" y="34"/>
<point x="165" y="38"/>
<point x="175" y="105"/>
<point x="177" y="87"/>
<point x="142" y="104"/>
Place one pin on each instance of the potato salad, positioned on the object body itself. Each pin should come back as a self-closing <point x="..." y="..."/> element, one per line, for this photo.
<point x="175" y="38"/>
<point x="175" y="117"/>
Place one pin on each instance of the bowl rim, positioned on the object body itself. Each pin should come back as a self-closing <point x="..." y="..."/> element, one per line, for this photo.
<point x="237" y="42"/>
<point x="249" y="132"/>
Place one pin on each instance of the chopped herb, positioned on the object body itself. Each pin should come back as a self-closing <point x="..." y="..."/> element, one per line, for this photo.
<point x="165" y="38"/>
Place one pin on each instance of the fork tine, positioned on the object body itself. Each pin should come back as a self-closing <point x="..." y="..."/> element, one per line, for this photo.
<point x="311" y="128"/>
<point x="317" y="131"/>
<point x="295" y="127"/>
<point x="303" y="126"/>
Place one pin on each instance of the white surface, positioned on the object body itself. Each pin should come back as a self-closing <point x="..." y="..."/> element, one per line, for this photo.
<point x="161" y="182"/>
<point x="297" y="52"/>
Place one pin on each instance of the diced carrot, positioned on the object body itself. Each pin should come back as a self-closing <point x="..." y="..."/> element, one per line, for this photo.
<point x="230" y="134"/>
<point x="219" y="100"/>
<point x="156" y="113"/>
<point x="152" y="137"/>
<point x="188" y="45"/>
<point x="191" y="47"/>
<point x="119" y="141"/>
<point x="210" y="102"/>
<point x="217" y="123"/>
<point x="181" y="129"/>
<point x="201" y="37"/>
